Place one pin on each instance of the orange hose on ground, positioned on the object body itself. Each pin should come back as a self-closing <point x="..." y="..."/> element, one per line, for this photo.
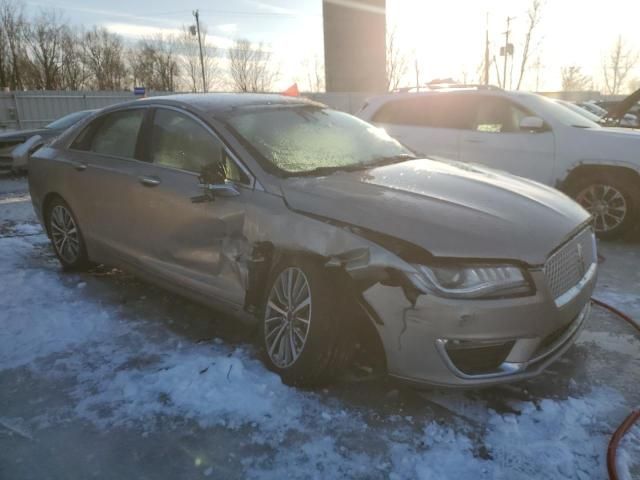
<point x="628" y="422"/>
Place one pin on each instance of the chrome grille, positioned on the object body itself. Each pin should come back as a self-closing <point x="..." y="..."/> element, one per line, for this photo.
<point x="566" y="267"/>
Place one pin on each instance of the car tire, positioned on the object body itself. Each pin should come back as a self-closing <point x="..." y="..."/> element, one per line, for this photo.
<point x="66" y="236"/>
<point x="611" y="199"/>
<point x="305" y="339"/>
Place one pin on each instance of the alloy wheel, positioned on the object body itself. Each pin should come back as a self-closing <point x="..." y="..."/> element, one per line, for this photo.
<point x="607" y="205"/>
<point x="287" y="317"/>
<point x="64" y="233"/>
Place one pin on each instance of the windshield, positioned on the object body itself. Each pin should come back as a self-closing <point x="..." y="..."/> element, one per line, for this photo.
<point x="560" y="113"/>
<point x="307" y="139"/>
<point x="68" y="120"/>
<point x="595" y="109"/>
<point x="579" y="110"/>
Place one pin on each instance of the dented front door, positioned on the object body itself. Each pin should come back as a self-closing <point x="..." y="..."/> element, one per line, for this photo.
<point x="193" y="242"/>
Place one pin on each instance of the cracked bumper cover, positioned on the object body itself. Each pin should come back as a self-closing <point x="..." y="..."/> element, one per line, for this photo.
<point x="452" y="342"/>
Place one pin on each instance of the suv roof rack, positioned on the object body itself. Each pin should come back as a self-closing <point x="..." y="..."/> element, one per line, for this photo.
<point x="443" y="86"/>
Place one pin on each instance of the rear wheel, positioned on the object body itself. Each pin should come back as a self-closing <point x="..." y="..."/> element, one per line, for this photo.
<point x="66" y="237"/>
<point x="304" y="337"/>
<point x="611" y="199"/>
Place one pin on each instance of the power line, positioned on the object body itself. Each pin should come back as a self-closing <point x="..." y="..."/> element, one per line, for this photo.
<point x="240" y="13"/>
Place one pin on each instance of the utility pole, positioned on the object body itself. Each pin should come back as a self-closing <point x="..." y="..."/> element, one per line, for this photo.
<point x="506" y="52"/>
<point x="537" y="66"/>
<point x="417" y="74"/>
<point x="486" y="54"/>
<point x="204" y="82"/>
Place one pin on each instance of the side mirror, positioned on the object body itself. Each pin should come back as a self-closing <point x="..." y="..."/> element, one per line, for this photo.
<point x="225" y="189"/>
<point x="215" y="184"/>
<point x="532" y="124"/>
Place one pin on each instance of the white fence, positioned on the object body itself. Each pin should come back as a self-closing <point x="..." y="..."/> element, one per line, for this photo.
<point x="34" y="109"/>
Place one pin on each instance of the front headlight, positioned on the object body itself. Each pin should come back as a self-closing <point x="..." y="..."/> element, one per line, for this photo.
<point x="469" y="281"/>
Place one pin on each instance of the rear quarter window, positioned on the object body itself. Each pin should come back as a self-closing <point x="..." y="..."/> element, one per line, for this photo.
<point x="434" y="111"/>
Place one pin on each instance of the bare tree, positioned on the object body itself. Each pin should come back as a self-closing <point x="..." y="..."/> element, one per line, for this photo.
<point x="533" y="15"/>
<point x="74" y="71"/>
<point x="14" y="56"/>
<point x="44" y="38"/>
<point x="573" y="80"/>
<point x="315" y="74"/>
<point x="154" y="63"/>
<point x="617" y="65"/>
<point x="397" y="63"/>
<point x="251" y="67"/>
<point x="190" y="60"/>
<point x="104" y="57"/>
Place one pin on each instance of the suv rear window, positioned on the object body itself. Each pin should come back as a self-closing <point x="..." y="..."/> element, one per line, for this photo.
<point x="437" y="111"/>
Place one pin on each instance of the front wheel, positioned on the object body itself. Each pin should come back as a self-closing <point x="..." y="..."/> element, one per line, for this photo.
<point x="304" y="337"/>
<point x="611" y="200"/>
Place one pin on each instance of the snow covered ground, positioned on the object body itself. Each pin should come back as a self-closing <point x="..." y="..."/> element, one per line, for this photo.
<point x="103" y="376"/>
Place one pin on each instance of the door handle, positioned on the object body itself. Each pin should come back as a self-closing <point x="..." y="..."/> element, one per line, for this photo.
<point x="149" y="181"/>
<point x="474" y="140"/>
<point x="80" y="166"/>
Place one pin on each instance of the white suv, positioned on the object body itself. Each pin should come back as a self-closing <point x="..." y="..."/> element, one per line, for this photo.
<point x="524" y="134"/>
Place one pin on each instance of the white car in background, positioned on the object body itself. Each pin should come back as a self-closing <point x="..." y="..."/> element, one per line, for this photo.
<point x="524" y="134"/>
<point x="628" y="120"/>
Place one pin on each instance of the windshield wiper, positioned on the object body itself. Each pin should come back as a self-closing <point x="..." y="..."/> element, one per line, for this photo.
<point x="320" y="171"/>
<point x="390" y="160"/>
<point x="380" y="161"/>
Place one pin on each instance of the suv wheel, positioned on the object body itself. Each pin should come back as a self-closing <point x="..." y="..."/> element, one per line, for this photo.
<point x="610" y="199"/>
<point x="302" y="335"/>
<point x="66" y="237"/>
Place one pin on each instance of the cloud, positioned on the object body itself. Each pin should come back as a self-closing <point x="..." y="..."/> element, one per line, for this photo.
<point x="227" y="27"/>
<point x="106" y="13"/>
<point x="275" y="9"/>
<point x="134" y="31"/>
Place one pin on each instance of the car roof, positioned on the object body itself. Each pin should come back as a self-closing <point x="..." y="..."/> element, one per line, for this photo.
<point x="377" y="101"/>
<point x="444" y="91"/>
<point x="215" y="103"/>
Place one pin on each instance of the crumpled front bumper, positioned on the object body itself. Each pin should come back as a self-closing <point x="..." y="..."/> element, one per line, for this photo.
<point x="453" y="342"/>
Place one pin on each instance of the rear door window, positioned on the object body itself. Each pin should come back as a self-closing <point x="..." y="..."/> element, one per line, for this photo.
<point x="117" y="135"/>
<point x="497" y="115"/>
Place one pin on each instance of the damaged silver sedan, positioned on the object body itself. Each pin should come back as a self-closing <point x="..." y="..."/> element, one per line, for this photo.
<point x="320" y="228"/>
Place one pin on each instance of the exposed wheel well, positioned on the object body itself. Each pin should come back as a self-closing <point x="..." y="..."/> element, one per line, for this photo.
<point x="582" y="171"/>
<point x="266" y="256"/>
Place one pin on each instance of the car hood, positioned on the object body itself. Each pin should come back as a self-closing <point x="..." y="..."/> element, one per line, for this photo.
<point x="616" y="133"/>
<point x="450" y="209"/>
<point x="608" y="144"/>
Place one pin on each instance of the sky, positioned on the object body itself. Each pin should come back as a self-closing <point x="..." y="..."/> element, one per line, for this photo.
<point x="447" y="38"/>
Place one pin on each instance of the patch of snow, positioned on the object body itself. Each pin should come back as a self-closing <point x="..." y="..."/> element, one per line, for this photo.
<point x="127" y="372"/>
<point x="27" y="229"/>
<point x="40" y="315"/>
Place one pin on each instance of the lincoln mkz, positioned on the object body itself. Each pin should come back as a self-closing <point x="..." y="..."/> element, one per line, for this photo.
<point x="318" y="227"/>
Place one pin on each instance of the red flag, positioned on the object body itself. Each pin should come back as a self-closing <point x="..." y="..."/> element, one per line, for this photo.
<point x="292" y="91"/>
